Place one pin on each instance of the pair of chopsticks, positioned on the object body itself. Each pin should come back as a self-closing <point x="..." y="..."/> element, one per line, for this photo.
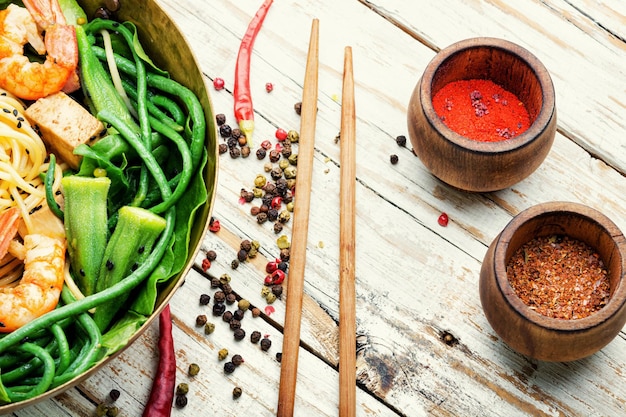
<point x="347" y="293"/>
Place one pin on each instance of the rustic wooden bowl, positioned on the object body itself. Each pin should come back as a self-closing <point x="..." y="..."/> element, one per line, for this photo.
<point x="168" y="48"/>
<point x="536" y="335"/>
<point x="472" y="165"/>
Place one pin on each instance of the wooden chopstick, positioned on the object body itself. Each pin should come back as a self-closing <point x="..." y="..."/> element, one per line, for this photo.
<point x="295" y="285"/>
<point x="347" y="291"/>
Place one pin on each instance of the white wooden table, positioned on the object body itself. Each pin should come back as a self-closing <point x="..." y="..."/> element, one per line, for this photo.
<point x="416" y="281"/>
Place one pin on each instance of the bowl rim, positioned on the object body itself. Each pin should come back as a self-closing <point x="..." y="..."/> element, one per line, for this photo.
<point x="539" y="125"/>
<point x="617" y="300"/>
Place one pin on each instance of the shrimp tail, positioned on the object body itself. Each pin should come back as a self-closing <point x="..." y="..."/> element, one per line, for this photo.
<point x="8" y="228"/>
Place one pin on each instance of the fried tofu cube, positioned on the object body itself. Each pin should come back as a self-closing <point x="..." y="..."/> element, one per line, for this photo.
<point x="63" y="124"/>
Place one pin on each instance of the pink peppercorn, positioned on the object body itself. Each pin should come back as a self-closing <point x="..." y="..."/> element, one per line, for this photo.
<point x="218" y="83"/>
<point x="281" y="134"/>
<point x="269" y="87"/>
<point x="443" y="220"/>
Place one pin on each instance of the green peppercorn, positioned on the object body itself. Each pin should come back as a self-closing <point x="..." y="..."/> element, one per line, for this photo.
<point x="256" y="244"/>
<point x="209" y="328"/>
<point x="237" y="392"/>
<point x="101" y="410"/>
<point x="260" y="180"/>
<point x="182" y="389"/>
<point x="243" y="304"/>
<point x="257" y="192"/>
<point x="265" y="344"/>
<point x="253" y="252"/>
<point x="181" y="401"/>
<point x="201" y="320"/>
<point x="229" y="367"/>
<point x="290" y="183"/>
<point x="284" y="215"/>
<point x="255" y="336"/>
<point x="283" y="242"/>
<point x="293" y="136"/>
<point x="290" y="207"/>
<point x="270" y="298"/>
<point x="194" y="369"/>
<point x="224" y="278"/>
<point x="283" y="164"/>
<point x="222" y="354"/>
<point x="293" y="159"/>
<point x="290" y="172"/>
<point x="265" y="290"/>
<point x="112" y="411"/>
<point x="267" y="167"/>
<point x="237" y="360"/>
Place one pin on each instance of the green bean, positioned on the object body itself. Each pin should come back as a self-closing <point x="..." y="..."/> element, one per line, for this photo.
<point x="82" y="305"/>
<point x="152" y="108"/>
<point x="151" y="164"/>
<point x="174" y="88"/>
<point x="63" y="346"/>
<point x="170" y="107"/>
<point x="29" y="366"/>
<point x="21" y="394"/>
<point x="49" y="182"/>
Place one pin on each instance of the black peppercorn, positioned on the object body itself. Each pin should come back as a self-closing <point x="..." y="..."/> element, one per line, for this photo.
<point x="225" y="130"/>
<point x="265" y="344"/>
<point x="393" y="159"/>
<point x="239" y="334"/>
<point x="201" y="320"/>
<point x="238" y="314"/>
<point x="231" y="298"/>
<point x="255" y="336"/>
<point x="234" y="324"/>
<point x="279" y="356"/>
<point x="276" y="172"/>
<point x="114" y="394"/>
<point x="234" y="264"/>
<point x="242" y="141"/>
<point x="220" y="119"/>
<point x="401" y="140"/>
<point x="278" y="227"/>
<point x="260" y="153"/>
<point x="231" y="143"/>
<point x="226" y="289"/>
<point x="277" y="290"/>
<point x="229" y="367"/>
<point x="218" y="309"/>
<point x="215" y="282"/>
<point x="204" y="299"/>
<point x="242" y="255"/>
<point x="237" y="133"/>
<point x="245" y="245"/>
<point x="237" y="360"/>
<point x="211" y="255"/>
<point x="254" y="210"/>
<point x="219" y="296"/>
<point x="261" y="218"/>
<point x="245" y="151"/>
<point x="227" y="316"/>
<point x="235" y="153"/>
<point x="223" y="148"/>
<point x="283" y="266"/>
<point x="181" y="401"/>
<point x="274" y="155"/>
<point x="237" y="391"/>
<point x="298" y="108"/>
<point x="284" y="255"/>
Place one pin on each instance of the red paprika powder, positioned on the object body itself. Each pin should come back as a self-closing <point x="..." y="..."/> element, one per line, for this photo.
<point x="481" y="110"/>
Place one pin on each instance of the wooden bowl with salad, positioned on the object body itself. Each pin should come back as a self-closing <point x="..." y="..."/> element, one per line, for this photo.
<point x="101" y="227"/>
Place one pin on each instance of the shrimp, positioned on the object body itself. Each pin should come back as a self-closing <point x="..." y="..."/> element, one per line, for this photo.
<point x="39" y="289"/>
<point x="32" y="80"/>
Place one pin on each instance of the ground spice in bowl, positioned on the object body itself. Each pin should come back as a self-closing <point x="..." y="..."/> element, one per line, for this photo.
<point x="481" y="110"/>
<point x="559" y="277"/>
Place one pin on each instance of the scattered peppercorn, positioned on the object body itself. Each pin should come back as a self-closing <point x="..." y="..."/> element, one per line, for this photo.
<point x="101" y="410"/>
<point x="226" y="131"/>
<point x="222" y="354"/>
<point x="277" y="290"/>
<point x="401" y="140"/>
<point x="214" y="225"/>
<point x="112" y="411"/>
<point x="234" y="264"/>
<point x="243" y="304"/>
<point x="237" y="391"/>
<point x="239" y="334"/>
<point x="234" y="324"/>
<point x="235" y="153"/>
<point x="393" y="159"/>
<point x="231" y="298"/>
<point x="181" y="401"/>
<point x="219" y="296"/>
<point x="194" y="369"/>
<point x="223" y="148"/>
<point x="227" y="289"/>
<point x="209" y="328"/>
<point x="265" y="344"/>
<point x="220" y="119"/>
<point x="218" y="83"/>
<point x="260" y="153"/>
<point x="242" y="255"/>
<point x="227" y="316"/>
<point x="237" y="360"/>
<point x="255" y="336"/>
<point x="443" y="220"/>
<point x="211" y="255"/>
<point x="298" y="108"/>
<point x="229" y="367"/>
<point x="204" y="299"/>
<point x="182" y="389"/>
<point x="215" y="282"/>
<point x="245" y="151"/>
<point x="279" y="356"/>
<point x="201" y="320"/>
<point x="256" y="312"/>
<point x="218" y="309"/>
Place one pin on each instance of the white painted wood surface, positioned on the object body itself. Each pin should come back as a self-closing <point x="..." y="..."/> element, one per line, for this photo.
<point x="416" y="281"/>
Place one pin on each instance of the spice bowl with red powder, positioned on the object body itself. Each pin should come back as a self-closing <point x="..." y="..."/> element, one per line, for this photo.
<point x="552" y="282"/>
<point x="482" y="116"/>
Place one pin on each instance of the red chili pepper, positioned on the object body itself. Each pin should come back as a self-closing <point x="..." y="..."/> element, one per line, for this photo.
<point x="244" y="112"/>
<point x="162" y="393"/>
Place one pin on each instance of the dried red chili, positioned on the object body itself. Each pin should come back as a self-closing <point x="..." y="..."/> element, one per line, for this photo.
<point x="559" y="277"/>
<point x="162" y="394"/>
<point x="481" y="110"/>
<point x="244" y="112"/>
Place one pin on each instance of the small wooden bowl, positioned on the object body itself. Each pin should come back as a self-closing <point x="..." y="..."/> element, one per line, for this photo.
<point x="472" y="165"/>
<point x="536" y="335"/>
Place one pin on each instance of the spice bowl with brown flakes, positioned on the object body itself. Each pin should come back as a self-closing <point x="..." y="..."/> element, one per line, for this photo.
<point x="482" y="116"/>
<point x="552" y="282"/>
